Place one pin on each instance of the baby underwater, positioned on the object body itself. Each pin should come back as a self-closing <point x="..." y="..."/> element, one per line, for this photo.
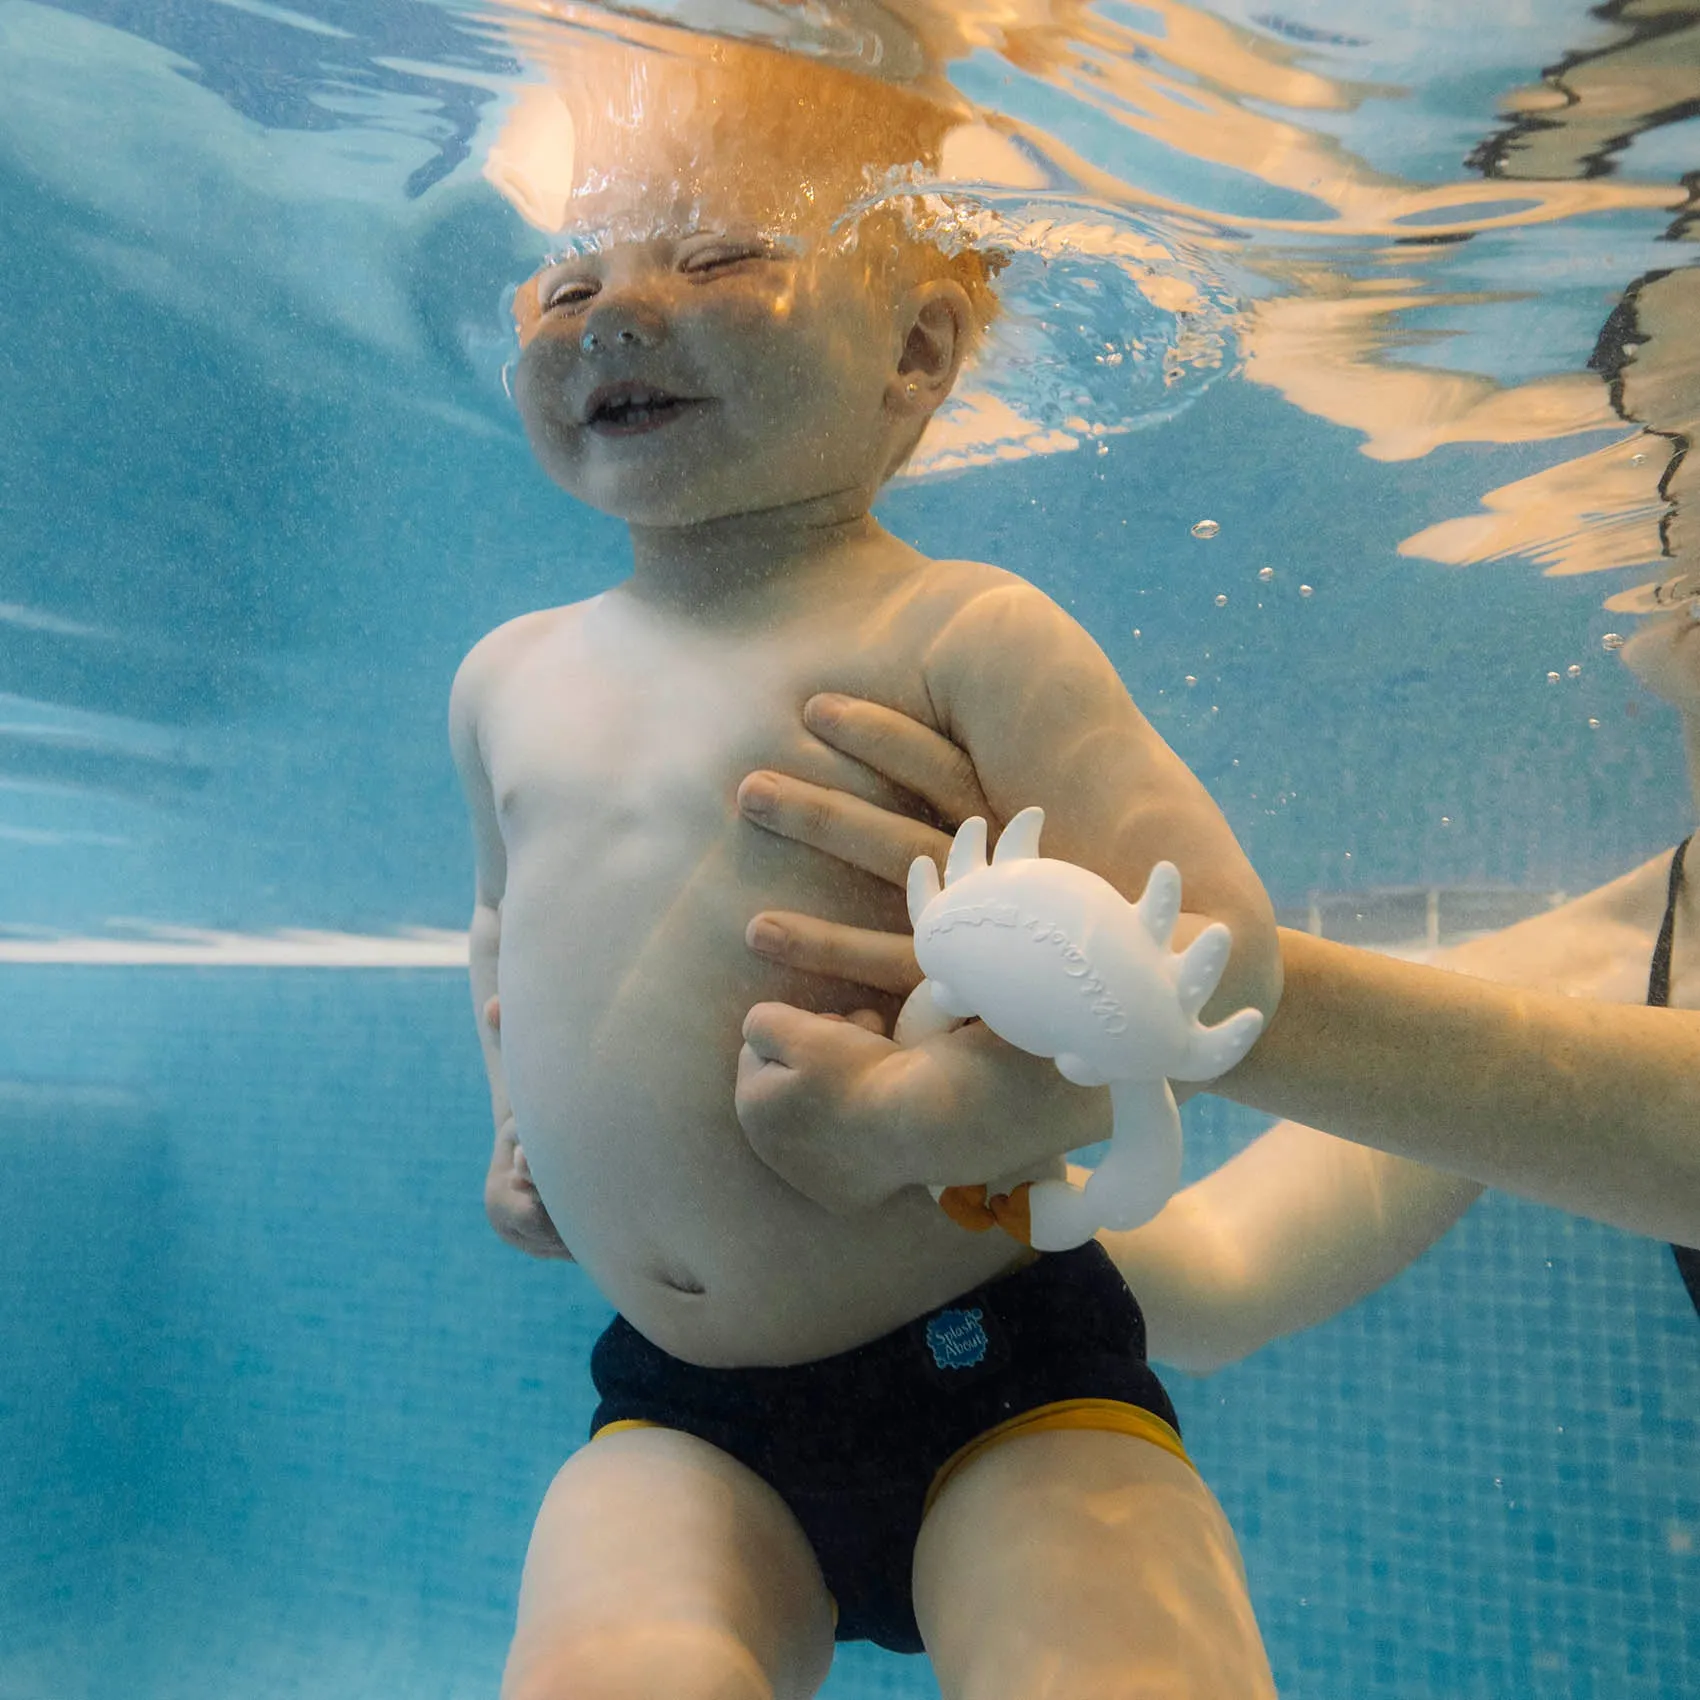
<point x="868" y="1424"/>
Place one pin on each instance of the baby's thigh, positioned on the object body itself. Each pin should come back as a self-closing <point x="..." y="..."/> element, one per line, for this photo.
<point x="1082" y="1565"/>
<point x="660" y="1566"/>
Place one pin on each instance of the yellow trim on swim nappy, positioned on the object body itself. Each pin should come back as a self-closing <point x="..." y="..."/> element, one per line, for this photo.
<point x="1110" y="1416"/>
<point x="625" y="1423"/>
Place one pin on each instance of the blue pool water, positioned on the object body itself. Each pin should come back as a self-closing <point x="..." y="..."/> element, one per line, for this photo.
<point x="287" y="1406"/>
<point x="276" y="1408"/>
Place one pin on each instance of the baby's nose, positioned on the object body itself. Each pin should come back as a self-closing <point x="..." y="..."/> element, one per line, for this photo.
<point x="614" y="325"/>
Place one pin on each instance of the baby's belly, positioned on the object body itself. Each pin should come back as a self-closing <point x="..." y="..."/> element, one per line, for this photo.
<point x="623" y="1096"/>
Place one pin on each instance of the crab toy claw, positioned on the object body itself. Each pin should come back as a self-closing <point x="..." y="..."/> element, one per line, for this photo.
<point x="1058" y="963"/>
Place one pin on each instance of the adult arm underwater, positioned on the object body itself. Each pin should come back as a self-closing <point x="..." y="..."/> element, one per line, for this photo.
<point x="1593" y="1107"/>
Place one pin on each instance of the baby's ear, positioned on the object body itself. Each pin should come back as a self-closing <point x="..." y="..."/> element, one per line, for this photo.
<point x="935" y="343"/>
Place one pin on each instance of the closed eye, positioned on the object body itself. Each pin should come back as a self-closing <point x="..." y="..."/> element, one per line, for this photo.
<point x="570" y="292"/>
<point x="720" y="259"/>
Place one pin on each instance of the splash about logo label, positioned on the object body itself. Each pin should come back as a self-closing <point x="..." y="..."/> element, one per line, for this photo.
<point x="957" y="1340"/>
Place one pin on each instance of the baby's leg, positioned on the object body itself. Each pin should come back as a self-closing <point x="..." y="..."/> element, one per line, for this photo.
<point x="662" y="1569"/>
<point x="1083" y="1565"/>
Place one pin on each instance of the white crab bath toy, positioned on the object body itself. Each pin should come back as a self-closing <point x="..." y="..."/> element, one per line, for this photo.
<point x="1057" y="962"/>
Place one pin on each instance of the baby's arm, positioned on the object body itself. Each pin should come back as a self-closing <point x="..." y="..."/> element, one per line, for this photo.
<point x="510" y="1200"/>
<point x="847" y="1117"/>
<point x="1046" y="719"/>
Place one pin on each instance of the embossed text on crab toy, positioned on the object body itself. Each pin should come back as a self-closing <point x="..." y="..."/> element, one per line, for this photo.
<point x="1099" y="1000"/>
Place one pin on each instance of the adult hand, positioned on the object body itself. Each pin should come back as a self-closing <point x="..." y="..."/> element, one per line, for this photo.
<point x="932" y="769"/>
<point x="511" y="1201"/>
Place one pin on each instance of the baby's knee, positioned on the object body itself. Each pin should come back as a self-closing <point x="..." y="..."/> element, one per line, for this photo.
<point x="638" y="1661"/>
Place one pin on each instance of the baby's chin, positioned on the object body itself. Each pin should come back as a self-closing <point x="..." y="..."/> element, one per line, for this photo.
<point x="667" y="508"/>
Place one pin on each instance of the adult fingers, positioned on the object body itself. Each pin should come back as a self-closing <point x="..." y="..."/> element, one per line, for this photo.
<point x="885" y="962"/>
<point x="860" y="833"/>
<point x="916" y="757"/>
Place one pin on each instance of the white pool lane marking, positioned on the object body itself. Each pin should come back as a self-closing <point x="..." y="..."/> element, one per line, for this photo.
<point x="188" y="947"/>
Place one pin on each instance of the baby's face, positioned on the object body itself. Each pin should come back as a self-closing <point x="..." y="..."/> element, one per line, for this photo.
<point x="705" y="370"/>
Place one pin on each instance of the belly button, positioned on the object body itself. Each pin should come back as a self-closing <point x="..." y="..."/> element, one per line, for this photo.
<point x="682" y="1283"/>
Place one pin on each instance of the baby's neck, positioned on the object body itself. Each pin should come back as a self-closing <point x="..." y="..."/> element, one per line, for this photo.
<point x="747" y="563"/>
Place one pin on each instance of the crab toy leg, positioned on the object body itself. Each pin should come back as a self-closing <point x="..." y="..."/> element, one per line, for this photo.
<point x="1136" y="1177"/>
<point x="1211" y="1051"/>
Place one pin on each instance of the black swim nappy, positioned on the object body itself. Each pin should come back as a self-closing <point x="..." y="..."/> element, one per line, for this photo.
<point x="853" y="1443"/>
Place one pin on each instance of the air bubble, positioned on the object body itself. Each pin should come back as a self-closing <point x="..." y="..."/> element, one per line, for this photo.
<point x="1637" y="459"/>
<point x="1265" y="575"/>
<point x="1205" y="529"/>
<point x="1305" y="590"/>
<point x="1574" y="670"/>
<point x="1552" y="678"/>
<point x="1612" y="640"/>
<point x="1191" y="680"/>
<point x="1137" y="632"/>
<point x="1446" y="820"/>
<point x="1221" y="602"/>
<point x="1103" y="448"/>
<point x="1593" y="725"/>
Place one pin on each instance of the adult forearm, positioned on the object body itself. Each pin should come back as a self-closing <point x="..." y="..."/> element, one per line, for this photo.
<point x="1591" y="1107"/>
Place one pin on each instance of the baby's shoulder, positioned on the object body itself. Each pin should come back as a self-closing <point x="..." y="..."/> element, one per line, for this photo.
<point x="962" y="580"/>
<point x="496" y="654"/>
<point x="959" y="595"/>
<point x="975" y="610"/>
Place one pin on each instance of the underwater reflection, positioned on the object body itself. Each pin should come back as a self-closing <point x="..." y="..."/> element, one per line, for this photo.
<point x="1611" y="507"/>
<point x="1180" y="195"/>
<point x="1279" y="244"/>
<point x="1247" y="188"/>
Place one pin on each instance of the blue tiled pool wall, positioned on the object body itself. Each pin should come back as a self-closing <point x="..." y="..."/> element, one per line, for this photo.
<point x="279" y="1408"/>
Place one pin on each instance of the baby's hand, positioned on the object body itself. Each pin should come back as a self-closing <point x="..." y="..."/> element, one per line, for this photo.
<point x="511" y="1201"/>
<point x="850" y="1119"/>
<point x="814" y="1097"/>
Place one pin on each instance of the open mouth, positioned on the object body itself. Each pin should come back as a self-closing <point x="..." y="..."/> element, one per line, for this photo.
<point x="628" y="410"/>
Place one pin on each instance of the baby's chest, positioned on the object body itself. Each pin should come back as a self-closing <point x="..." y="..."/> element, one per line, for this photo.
<point x="599" y="750"/>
